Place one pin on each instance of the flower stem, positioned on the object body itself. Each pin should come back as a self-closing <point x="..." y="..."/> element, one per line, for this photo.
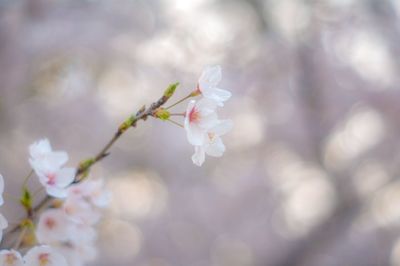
<point x="178" y="102"/>
<point x="18" y="242"/>
<point x="27" y="178"/>
<point x="142" y="114"/>
<point x="175" y="123"/>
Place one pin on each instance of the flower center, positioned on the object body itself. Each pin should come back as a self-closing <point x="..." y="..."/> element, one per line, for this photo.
<point x="10" y="259"/>
<point x="51" y="179"/>
<point x="44" y="259"/>
<point x="50" y="223"/>
<point x="194" y="115"/>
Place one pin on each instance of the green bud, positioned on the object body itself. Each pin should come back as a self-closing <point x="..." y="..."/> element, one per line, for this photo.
<point x="26" y="199"/>
<point x="162" y="114"/>
<point x="170" y="90"/>
<point x="127" y="124"/>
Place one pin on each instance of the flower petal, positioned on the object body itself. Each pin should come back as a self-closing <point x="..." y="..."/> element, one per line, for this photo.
<point x="198" y="157"/>
<point x="65" y="176"/>
<point x="216" y="148"/>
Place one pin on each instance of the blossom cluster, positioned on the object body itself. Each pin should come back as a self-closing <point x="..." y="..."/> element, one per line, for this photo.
<point x="203" y="127"/>
<point x="65" y="233"/>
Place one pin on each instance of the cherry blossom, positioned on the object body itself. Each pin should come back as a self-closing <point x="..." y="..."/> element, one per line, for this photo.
<point x="53" y="226"/>
<point x="213" y="146"/>
<point x="44" y="256"/>
<point x="84" y="200"/>
<point x="48" y="166"/>
<point x="199" y="118"/>
<point x="10" y="258"/>
<point x="208" y="83"/>
<point x="41" y="152"/>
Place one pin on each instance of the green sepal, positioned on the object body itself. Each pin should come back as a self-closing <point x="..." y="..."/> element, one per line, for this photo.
<point x="162" y="114"/>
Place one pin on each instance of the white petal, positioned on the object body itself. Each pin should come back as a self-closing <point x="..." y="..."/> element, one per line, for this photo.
<point x="44" y="256"/>
<point x="195" y="135"/>
<point x="223" y="127"/>
<point x="216" y="148"/>
<point x="1" y="190"/>
<point x="10" y="258"/>
<point x="56" y="192"/>
<point x="206" y="106"/>
<point x="198" y="156"/>
<point x="211" y="76"/>
<point x="209" y="121"/>
<point x="3" y="222"/>
<point x="65" y="176"/>
<point x="39" y="148"/>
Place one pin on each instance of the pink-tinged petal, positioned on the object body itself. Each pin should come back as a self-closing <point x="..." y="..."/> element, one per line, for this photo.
<point x="44" y="256"/>
<point x="216" y="148"/>
<point x="195" y="135"/>
<point x="223" y="127"/>
<point x="10" y="258"/>
<point x="56" y="192"/>
<point x="65" y="176"/>
<point x="198" y="157"/>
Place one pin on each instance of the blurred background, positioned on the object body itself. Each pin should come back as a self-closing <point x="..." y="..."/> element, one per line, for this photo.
<point x="311" y="172"/>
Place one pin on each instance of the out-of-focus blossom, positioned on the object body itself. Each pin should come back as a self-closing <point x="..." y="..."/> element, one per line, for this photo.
<point x="208" y="82"/>
<point x="53" y="226"/>
<point x="77" y="254"/>
<point x="3" y="225"/>
<point x="213" y="146"/>
<point x="44" y="256"/>
<point x="84" y="199"/>
<point x="10" y="258"/>
<point x="48" y="166"/>
<point x="199" y="118"/>
<point x="1" y="190"/>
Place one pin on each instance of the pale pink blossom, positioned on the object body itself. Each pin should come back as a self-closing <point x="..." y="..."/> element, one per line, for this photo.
<point x="208" y="82"/>
<point x="77" y="254"/>
<point x="10" y="258"/>
<point x="199" y="118"/>
<point x="213" y="146"/>
<point x="44" y="256"/>
<point x="53" y="226"/>
<point x="91" y="190"/>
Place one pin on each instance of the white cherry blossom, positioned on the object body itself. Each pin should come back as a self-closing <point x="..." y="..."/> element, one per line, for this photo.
<point x="41" y="152"/>
<point x="199" y="118"/>
<point x="44" y="256"/>
<point x="53" y="226"/>
<point x="48" y="166"/>
<point x="10" y="258"/>
<point x="208" y="82"/>
<point x="213" y="146"/>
